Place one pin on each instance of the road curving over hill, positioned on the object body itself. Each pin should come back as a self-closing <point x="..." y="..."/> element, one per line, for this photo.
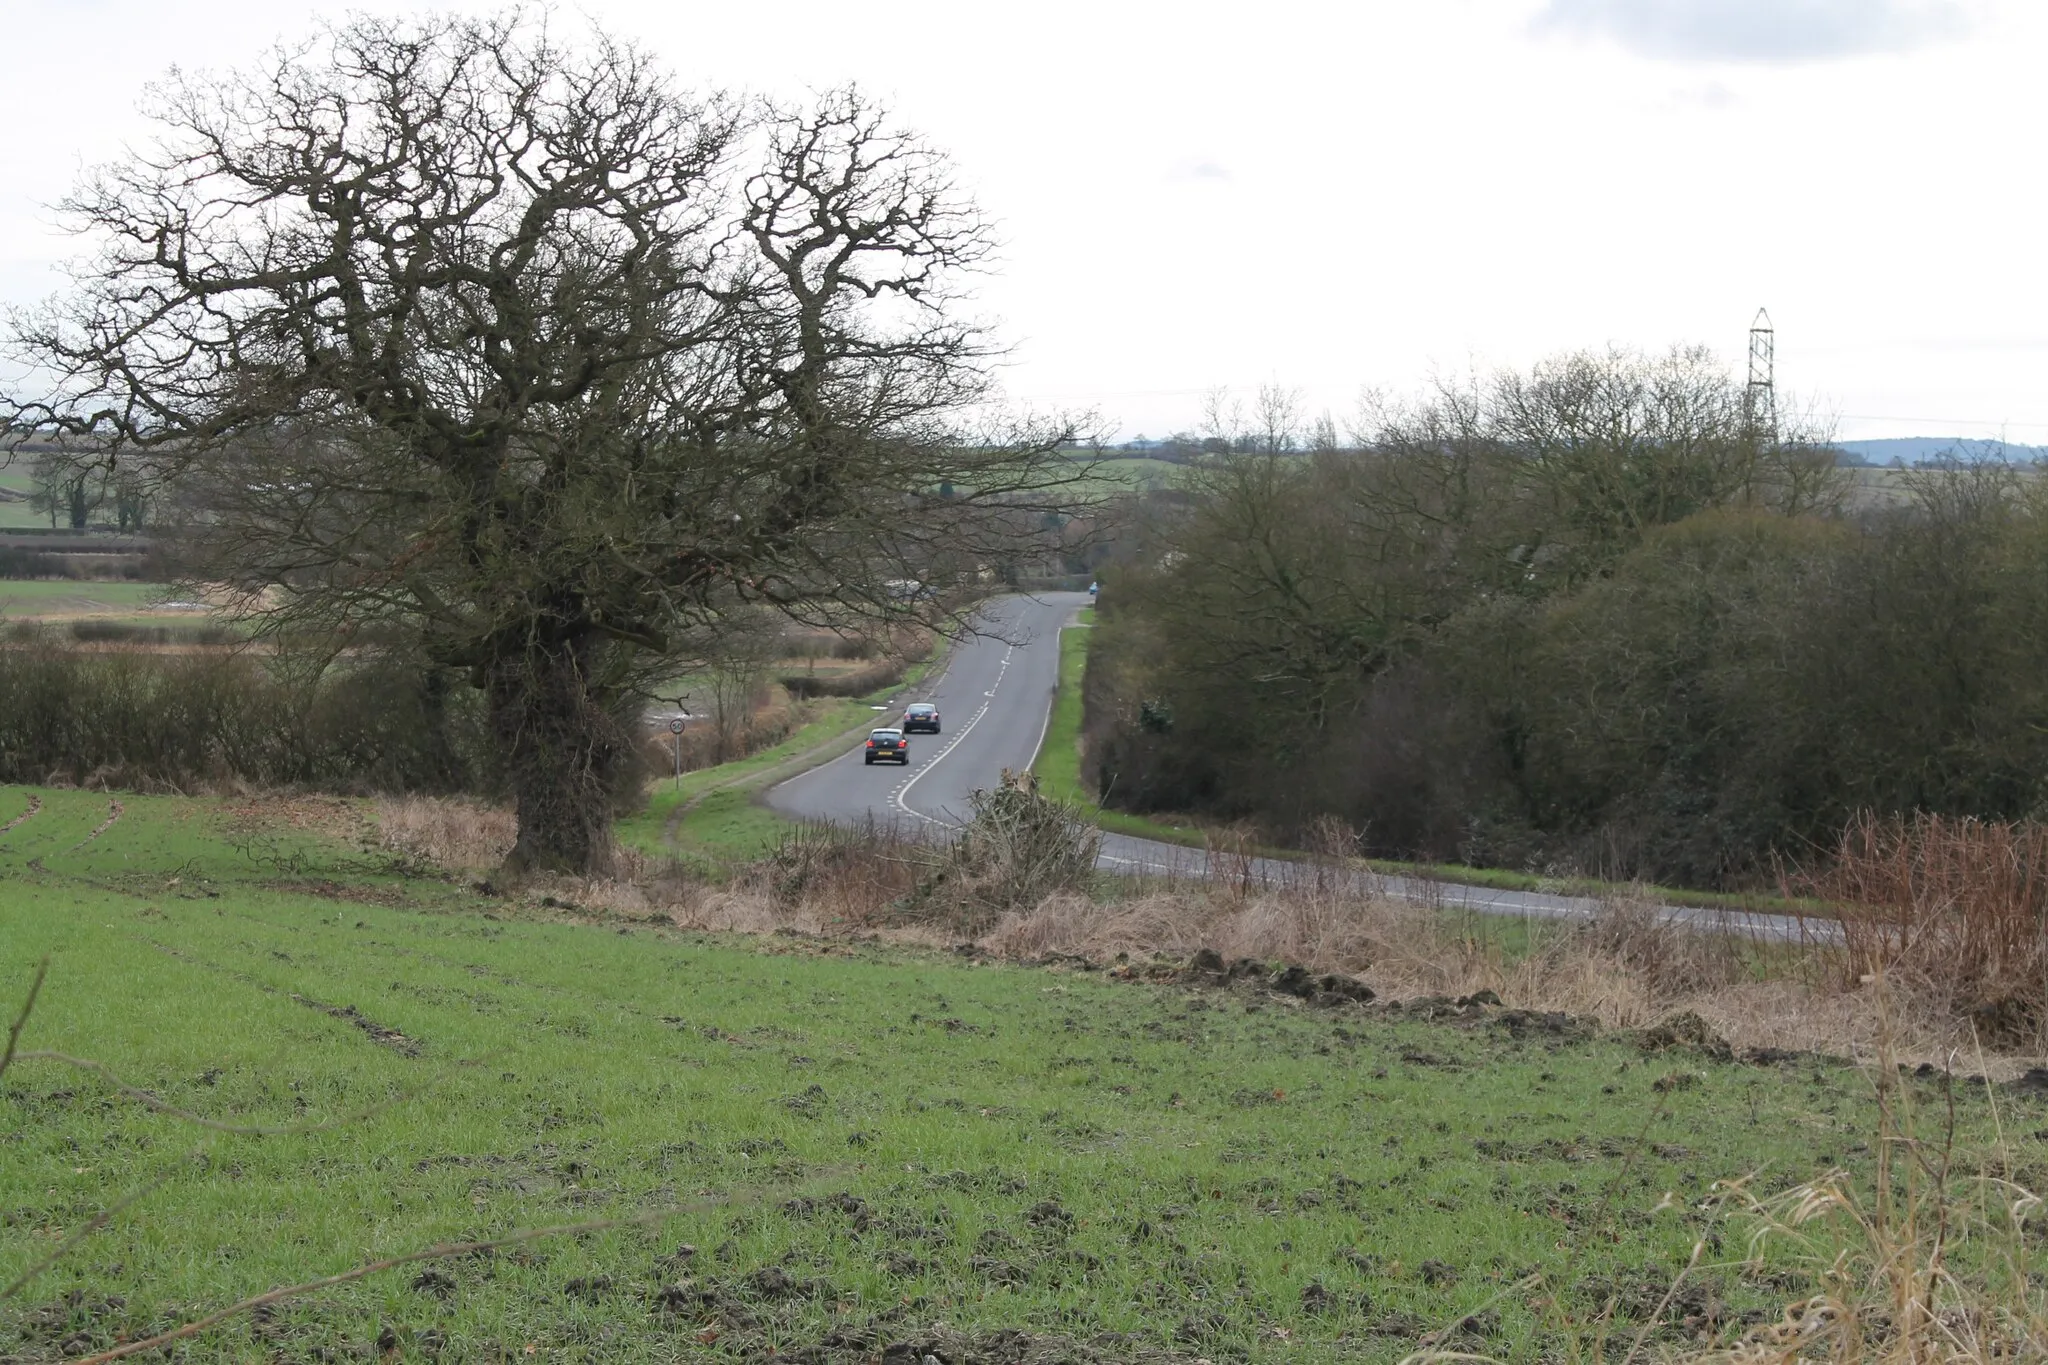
<point x="995" y="699"/>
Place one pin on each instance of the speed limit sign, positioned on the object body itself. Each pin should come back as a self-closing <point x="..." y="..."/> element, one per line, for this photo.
<point x="675" y="727"/>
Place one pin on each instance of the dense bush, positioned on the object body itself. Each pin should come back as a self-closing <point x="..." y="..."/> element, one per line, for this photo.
<point x="27" y="561"/>
<point x="1609" y="664"/>
<point x="198" y="721"/>
<point x="856" y="682"/>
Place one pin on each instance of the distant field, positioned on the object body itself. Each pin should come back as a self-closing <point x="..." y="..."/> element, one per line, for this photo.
<point x="63" y="598"/>
<point x="1139" y="472"/>
<point x="1875" y="486"/>
<point x="15" y="479"/>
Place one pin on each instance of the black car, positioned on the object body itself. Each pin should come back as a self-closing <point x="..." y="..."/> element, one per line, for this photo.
<point x="921" y="715"/>
<point x="887" y="744"/>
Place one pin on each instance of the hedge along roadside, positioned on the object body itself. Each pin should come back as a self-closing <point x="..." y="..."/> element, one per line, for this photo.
<point x="1058" y="769"/>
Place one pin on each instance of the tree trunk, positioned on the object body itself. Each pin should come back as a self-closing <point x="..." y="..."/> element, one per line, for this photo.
<point x="443" y="762"/>
<point x="564" y="753"/>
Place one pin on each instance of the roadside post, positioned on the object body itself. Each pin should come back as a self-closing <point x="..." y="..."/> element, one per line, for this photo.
<point x="675" y="730"/>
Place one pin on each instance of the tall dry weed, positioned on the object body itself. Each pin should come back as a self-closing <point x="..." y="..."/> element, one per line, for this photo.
<point x="448" y="833"/>
<point x="1930" y="1257"/>
<point x="1951" y="911"/>
<point x="850" y="876"/>
<point x="1323" y="935"/>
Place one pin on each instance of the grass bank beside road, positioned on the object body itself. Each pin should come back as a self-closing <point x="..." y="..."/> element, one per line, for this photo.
<point x="832" y="1149"/>
<point x="716" y="814"/>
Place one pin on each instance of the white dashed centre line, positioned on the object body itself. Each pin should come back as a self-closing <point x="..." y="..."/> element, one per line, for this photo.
<point x="901" y="796"/>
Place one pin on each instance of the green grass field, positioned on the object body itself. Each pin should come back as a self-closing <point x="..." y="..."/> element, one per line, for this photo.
<point x="843" y="1146"/>
<point x="1130" y="474"/>
<point x="30" y="597"/>
<point x="14" y="478"/>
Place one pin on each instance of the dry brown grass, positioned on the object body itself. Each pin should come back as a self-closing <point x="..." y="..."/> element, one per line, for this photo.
<point x="446" y="832"/>
<point x="1930" y="1256"/>
<point x="1953" y="912"/>
<point x="1627" y="968"/>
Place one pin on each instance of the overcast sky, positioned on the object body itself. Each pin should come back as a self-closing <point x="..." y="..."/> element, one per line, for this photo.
<point x="1351" y="193"/>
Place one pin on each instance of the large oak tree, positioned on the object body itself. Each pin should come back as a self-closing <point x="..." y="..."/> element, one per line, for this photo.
<point x="452" y="332"/>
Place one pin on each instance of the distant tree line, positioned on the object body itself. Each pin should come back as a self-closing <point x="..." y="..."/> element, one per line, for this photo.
<point x="77" y="487"/>
<point x="1580" y="618"/>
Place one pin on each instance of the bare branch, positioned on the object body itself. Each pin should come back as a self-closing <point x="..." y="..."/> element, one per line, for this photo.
<point x="28" y="1005"/>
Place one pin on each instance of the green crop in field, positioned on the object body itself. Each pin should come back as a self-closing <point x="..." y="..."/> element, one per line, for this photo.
<point x="845" y="1138"/>
<point x="21" y="597"/>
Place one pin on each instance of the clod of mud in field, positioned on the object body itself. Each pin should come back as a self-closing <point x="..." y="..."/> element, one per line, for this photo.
<point x="865" y="1345"/>
<point x="389" y="1037"/>
<point x="1685" y="1029"/>
<point x="324" y="889"/>
<point x="74" y="1324"/>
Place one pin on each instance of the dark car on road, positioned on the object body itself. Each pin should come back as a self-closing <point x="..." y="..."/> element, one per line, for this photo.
<point x="887" y="744"/>
<point x="921" y="715"/>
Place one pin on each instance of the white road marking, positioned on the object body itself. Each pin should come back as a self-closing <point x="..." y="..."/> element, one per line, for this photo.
<point x="901" y="796"/>
<point x="931" y="689"/>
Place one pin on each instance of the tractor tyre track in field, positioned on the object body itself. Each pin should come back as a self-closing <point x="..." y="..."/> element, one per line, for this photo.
<point x="35" y="807"/>
<point x="114" y="812"/>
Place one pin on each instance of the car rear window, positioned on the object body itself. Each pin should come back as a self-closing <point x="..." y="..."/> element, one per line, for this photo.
<point x="920" y="709"/>
<point x="886" y="734"/>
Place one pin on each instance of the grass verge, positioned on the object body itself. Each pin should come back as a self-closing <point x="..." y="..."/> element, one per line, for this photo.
<point x="713" y="815"/>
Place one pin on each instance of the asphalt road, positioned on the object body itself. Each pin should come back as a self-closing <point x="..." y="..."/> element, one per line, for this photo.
<point x="995" y="699"/>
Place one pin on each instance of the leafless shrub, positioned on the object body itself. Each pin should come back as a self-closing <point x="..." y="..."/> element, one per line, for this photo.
<point x="845" y="875"/>
<point x="856" y="682"/>
<point x="1641" y="941"/>
<point x="1951" y="911"/>
<point x="1232" y="854"/>
<point x="774" y="718"/>
<point x="1019" y="849"/>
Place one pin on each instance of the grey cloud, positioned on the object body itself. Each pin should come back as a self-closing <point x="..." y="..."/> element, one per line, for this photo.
<point x="1772" y="31"/>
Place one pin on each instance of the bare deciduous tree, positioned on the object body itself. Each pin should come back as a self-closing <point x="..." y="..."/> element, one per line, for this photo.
<point x="448" y="331"/>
